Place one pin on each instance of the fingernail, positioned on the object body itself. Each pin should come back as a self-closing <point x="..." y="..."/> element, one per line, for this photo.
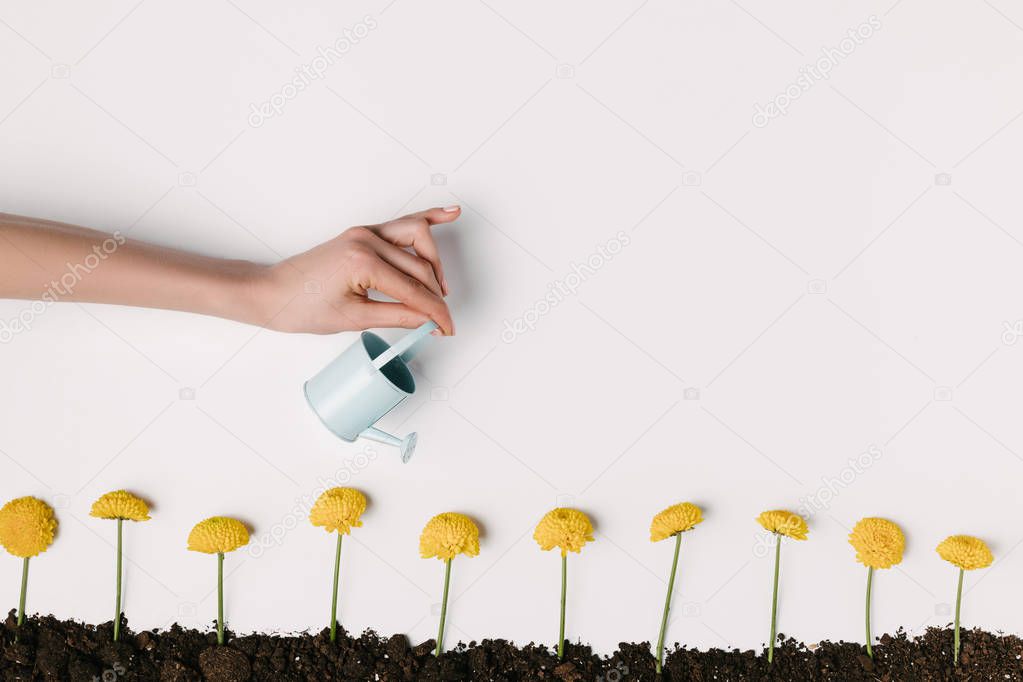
<point x="436" y="332"/>
<point x="451" y="209"/>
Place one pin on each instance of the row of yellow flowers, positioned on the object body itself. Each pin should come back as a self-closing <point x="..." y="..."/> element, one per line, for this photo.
<point x="28" y="527"/>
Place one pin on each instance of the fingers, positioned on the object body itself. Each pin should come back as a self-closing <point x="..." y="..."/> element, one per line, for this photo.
<point x="380" y="314"/>
<point x="409" y="264"/>
<point x="406" y="289"/>
<point x="414" y="230"/>
<point x="436" y="216"/>
<point x="426" y="249"/>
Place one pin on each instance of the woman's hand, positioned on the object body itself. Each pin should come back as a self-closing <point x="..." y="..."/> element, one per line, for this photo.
<point x="325" y="289"/>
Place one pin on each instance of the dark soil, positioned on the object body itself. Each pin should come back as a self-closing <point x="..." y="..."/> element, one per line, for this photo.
<point x="49" y="649"/>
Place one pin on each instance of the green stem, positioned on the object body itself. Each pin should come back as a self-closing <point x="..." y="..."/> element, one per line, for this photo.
<point x="959" y="600"/>
<point x="333" y="601"/>
<point x="220" y="597"/>
<point x="24" y="589"/>
<point x="667" y="603"/>
<point x="117" y="597"/>
<point x="564" y="590"/>
<point x="870" y="580"/>
<point x="774" y="599"/>
<point x="443" y="608"/>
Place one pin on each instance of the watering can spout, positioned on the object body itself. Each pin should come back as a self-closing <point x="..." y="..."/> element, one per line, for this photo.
<point x="406" y="446"/>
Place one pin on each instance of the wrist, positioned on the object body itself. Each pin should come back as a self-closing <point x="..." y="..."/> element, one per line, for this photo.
<point x="245" y="292"/>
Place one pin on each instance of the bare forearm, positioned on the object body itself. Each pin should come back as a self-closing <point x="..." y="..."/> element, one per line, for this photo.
<point x="58" y="262"/>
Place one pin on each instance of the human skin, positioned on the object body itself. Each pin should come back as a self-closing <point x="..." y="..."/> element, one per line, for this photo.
<point x="321" y="291"/>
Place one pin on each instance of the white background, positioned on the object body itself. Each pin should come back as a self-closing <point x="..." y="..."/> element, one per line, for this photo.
<point x="792" y="295"/>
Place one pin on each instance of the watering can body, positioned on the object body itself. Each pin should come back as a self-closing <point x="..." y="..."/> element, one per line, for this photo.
<point x="364" y="383"/>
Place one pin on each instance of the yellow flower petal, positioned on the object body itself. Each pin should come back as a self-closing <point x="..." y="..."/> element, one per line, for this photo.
<point x="879" y="543"/>
<point x="338" y="509"/>
<point x="120" y="504"/>
<point x="784" y="523"/>
<point x="448" y="535"/>
<point x="966" y="552"/>
<point x="218" y="534"/>
<point x="678" y="518"/>
<point x="27" y="526"/>
<point x="568" y="529"/>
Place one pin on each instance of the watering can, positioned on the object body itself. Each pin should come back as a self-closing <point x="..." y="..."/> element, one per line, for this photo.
<point x="363" y="384"/>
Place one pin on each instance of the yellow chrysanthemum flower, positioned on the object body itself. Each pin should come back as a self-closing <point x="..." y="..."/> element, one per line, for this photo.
<point x="672" y="522"/>
<point x="678" y="518"/>
<point x="338" y="509"/>
<point x="218" y="534"/>
<point x="27" y="526"/>
<point x="966" y="552"/>
<point x="448" y="535"/>
<point x="784" y="523"/>
<point x="879" y="543"/>
<point x="120" y="504"/>
<point x="568" y="529"/>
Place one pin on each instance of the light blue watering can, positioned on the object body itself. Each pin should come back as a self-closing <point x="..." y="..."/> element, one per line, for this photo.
<point x="363" y="384"/>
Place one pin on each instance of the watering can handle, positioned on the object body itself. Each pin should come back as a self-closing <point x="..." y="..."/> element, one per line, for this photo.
<point x="404" y="344"/>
